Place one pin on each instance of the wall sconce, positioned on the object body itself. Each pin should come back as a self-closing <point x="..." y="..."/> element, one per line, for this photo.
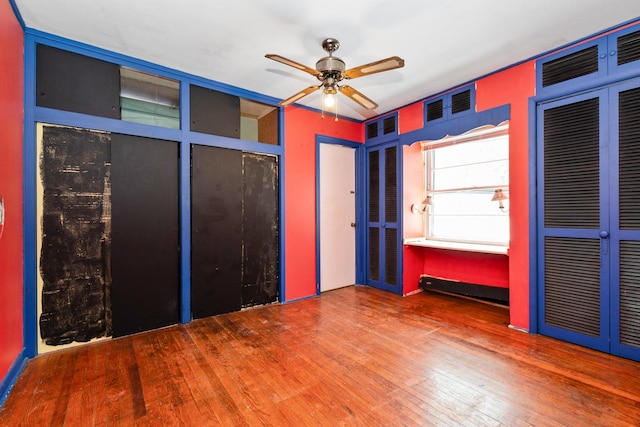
<point x="499" y="195"/>
<point x="421" y="208"/>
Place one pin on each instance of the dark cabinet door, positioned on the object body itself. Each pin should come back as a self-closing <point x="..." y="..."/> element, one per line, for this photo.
<point x="234" y="230"/>
<point x="216" y="230"/>
<point x="145" y="234"/>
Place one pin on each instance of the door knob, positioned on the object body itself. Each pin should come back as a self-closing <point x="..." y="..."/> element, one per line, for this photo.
<point x="604" y="234"/>
<point x="353" y="224"/>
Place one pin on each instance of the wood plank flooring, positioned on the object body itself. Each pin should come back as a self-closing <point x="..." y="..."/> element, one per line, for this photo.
<point x="354" y="356"/>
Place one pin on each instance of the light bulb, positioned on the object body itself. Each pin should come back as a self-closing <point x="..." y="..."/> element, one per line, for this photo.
<point x="329" y="100"/>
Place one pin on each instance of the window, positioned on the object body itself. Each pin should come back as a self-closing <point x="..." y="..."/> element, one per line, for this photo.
<point x="149" y="99"/>
<point x="462" y="174"/>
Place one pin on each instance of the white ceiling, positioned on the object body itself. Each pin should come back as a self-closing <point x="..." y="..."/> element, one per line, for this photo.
<point x="443" y="43"/>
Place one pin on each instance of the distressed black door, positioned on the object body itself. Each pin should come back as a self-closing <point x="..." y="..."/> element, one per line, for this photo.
<point x="382" y="224"/>
<point x="145" y="234"/>
<point x="234" y="230"/>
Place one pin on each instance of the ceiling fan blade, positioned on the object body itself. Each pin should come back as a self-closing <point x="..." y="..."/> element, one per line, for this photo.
<point x="299" y="95"/>
<point x="387" y="64"/>
<point x="358" y="97"/>
<point x="293" y="64"/>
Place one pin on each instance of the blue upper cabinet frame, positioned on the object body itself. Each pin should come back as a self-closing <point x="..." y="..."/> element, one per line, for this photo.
<point x="624" y="51"/>
<point x="574" y="66"/>
<point x="602" y="60"/>
<point x="457" y="103"/>
<point x="381" y="130"/>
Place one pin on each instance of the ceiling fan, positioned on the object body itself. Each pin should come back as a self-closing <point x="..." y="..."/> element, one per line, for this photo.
<point x="330" y="70"/>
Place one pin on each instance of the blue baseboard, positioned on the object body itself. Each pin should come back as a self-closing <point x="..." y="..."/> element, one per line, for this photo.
<point x="12" y="376"/>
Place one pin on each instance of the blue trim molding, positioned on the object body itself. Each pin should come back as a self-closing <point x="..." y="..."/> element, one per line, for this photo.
<point x="457" y="126"/>
<point x="12" y="375"/>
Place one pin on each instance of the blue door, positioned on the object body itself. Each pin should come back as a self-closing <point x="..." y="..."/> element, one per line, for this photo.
<point x="589" y="219"/>
<point x="383" y="244"/>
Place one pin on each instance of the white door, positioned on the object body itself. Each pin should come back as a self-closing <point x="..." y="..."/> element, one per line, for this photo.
<point x="337" y="204"/>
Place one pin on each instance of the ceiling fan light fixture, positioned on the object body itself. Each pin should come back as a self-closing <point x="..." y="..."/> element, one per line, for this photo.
<point x="330" y="70"/>
<point x="329" y="99"/>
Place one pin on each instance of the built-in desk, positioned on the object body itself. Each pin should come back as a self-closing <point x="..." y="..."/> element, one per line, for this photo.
<point x="458" y="246"/>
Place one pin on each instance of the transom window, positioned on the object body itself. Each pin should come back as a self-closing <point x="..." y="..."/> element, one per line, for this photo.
<point x="467" y="187"/>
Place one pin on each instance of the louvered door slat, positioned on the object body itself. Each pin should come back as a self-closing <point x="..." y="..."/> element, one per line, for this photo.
<point x="629" y="149"/>
<point x="571" y="163"/>
<point x="374" y="186"/>
<point x="435" y="110"/>
<point x="571" y="66"/>
<point x="374" y="253"/>
<point x="630" y="293"/>
<point x="629" y="48"/>
<point x="391" y="186"/>
<point x="391" y="256"/>
<point x="572" y="284"/>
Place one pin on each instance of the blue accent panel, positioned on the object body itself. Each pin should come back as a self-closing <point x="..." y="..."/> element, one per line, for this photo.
<point x="30" y="311"/>
<point x="185" y="210"/>
<point x="361" y="214"/>
<point x="12" y="376"/>
<point x="281" y="171"/>
<point x="18" y="15"/>
<point x="533" y="222"/>
<point x="359" y="150"/>
<point x="66" y="118"/>
<point x="232" y="143"/>
<point x="457" y="126"/>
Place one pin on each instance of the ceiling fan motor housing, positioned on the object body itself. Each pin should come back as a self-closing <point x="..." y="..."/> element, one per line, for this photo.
<point x="330" y="64"/>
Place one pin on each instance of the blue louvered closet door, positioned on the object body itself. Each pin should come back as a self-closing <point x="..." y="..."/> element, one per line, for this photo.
<point x="589" y="219"/>
<point x="383" y="218"/>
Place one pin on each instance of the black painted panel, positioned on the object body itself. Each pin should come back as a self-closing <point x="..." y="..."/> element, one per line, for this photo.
<point x="216" y="230"/>
<point x="75" y="241"/>
<point x="145" y="232"/>
<point x="72" y="82"/>
<point x="260" y="246"/>
<point x="215" y="113"/>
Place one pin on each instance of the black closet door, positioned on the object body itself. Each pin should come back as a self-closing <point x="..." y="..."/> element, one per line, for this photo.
<point x="145" y="234"/>
<point x="216" y="230"/>
<point x="260" y="248"/>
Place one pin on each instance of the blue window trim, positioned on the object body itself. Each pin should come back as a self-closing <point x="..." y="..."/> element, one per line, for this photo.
<point x="34" y="115"/>
<point x="455" y="126"/>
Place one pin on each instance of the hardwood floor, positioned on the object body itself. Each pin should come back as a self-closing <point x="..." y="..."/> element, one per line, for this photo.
<point x="354" y="356"/>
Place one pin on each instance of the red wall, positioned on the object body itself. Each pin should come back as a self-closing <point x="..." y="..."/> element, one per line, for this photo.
<point x="11" y="242"/>
<point x="301" y="127"/>
<point x="513" y="86"/>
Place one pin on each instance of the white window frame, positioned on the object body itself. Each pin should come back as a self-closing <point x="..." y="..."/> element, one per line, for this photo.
<point x="486" y="189"/>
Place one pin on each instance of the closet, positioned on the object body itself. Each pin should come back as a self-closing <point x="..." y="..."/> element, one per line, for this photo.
<point x="588" y="180"/>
